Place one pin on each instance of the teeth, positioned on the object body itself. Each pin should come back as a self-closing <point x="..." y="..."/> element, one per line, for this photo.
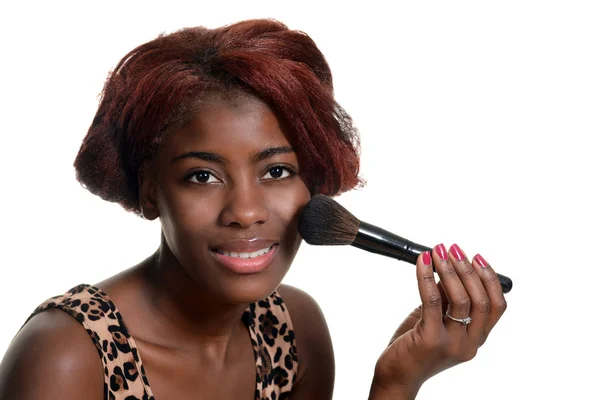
<point x="245" y="254"/>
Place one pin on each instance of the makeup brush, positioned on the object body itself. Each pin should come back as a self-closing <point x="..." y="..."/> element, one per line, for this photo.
<point x="323" y="221"/>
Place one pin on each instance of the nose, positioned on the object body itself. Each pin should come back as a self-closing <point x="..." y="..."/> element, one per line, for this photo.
<point x="243" y="208"/>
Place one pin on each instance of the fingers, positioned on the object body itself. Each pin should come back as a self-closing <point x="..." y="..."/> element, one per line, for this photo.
<point x="470" y="289"/>
<point x="443" y="293"/>
<point x="459" y="301"/>
<point x="428" y="290"/>
<point x="490" y="281"/>
<point x="480" y="301"/>
<point x="482" y="287"/>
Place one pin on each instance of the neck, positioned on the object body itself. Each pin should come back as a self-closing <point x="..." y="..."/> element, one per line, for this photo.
<point x="187" y="314"/>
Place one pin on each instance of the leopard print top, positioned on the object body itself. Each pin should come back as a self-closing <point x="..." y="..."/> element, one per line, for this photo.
<point x="268" y="322"/>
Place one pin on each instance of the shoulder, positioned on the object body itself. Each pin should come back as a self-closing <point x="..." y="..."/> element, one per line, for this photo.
<point x="52" y="356"/>
<point x="304" y="310"/>
<point x="316" y="366"/>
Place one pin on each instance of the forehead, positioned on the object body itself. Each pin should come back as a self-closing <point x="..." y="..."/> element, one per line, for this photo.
<point x="239" y="125"/>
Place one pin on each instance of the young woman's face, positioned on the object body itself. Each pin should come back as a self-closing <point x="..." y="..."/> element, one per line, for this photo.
<point x="228" y="194"/>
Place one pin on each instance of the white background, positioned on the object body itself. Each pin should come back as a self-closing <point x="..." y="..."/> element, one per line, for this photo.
<point x="478" y="122"/>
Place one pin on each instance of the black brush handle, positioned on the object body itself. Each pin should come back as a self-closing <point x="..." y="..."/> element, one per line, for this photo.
<point x="376" y="240"/>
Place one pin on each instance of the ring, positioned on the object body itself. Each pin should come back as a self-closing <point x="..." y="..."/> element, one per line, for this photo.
<point x="464" y="321"/>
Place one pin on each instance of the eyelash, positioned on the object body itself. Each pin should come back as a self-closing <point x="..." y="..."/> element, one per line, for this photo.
<point x="291" y="173"/>
<point x="196" y="173"/>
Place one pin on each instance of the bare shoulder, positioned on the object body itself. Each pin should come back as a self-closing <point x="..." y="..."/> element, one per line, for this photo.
<point x="51" y="357"/>
<point x="316" y="366"/>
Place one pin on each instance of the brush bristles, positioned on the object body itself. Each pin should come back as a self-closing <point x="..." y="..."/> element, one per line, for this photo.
<point x="323" y="221"/>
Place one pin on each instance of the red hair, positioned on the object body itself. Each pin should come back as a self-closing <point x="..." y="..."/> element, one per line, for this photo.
<point x="156" y="84"/>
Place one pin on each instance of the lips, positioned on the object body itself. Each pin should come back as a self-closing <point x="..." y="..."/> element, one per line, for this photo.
<point x="246" y="256"/>
<point x="244" y="246"/>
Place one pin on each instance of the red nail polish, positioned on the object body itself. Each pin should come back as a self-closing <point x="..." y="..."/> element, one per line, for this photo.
<point x="457" y="252"/>
<point x="481" y="261"/>
<point x="426" y="258"/>
<point x="440" y="249"/>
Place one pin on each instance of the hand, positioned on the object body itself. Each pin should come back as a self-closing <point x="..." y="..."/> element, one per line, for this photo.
<point x="428" y="342"/>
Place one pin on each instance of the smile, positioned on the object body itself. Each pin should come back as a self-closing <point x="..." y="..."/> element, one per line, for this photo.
<point x="252" y="254"/>
<point x="246" y="262"/>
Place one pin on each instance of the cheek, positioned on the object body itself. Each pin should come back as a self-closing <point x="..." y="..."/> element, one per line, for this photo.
<point x="184" y="213"/>
<point x="288" y="206"/>
<point x="289" y="201"/>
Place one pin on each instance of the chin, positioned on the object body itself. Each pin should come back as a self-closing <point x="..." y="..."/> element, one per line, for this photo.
<point x="237" y="284"/>
<point x="249" y="289"/>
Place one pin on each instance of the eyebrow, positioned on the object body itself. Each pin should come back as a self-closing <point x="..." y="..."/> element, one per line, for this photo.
<point x="214" y="157"/>
<point x="270" y="152"/>
<point x="202" y="155"/>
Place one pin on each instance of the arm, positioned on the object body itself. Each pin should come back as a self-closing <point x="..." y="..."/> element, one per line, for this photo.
<point x="52" y="357"/>
<point x="428" y="341"/>
<point x="425" y="344"/>
<point x="316" y="367"/>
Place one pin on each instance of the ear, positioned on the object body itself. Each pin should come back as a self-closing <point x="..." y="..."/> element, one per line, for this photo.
<point x="147" y="192"/>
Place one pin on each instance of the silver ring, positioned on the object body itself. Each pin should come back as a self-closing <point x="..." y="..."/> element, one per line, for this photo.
<point x="464" y="321"/>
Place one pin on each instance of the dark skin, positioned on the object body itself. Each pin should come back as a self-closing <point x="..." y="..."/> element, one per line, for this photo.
<point x="226" y="178"/>
<point x="182" y="308"/>
<point x="427" y="342"/>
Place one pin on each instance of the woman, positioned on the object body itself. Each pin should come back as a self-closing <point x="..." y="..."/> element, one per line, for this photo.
<point x="224" y="135"/>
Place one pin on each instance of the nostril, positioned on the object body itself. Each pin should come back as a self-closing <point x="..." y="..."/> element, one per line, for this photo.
<point x="242" y="220"/>
<point x="244" y="212"/>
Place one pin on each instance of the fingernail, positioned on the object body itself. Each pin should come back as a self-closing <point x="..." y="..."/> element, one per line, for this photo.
<point x="440" y="249"/>
<point x="426" y="258"/>
<point x="457" y="252"/>
<point x="481" y="261"/>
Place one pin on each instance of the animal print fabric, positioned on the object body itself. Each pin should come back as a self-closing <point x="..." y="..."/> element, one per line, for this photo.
<point x="268" y="323"/>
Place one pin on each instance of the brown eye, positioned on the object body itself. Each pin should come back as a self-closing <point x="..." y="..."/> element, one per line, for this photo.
<point x="202" y="177"/>
<point x="277" y="172"/>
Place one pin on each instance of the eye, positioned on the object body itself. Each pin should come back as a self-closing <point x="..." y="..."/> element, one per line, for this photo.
<point x="202" y="177"/>
<point x="278" y="172"/>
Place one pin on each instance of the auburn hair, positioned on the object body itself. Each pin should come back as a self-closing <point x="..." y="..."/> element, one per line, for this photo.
<point x="154" y="86"/>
